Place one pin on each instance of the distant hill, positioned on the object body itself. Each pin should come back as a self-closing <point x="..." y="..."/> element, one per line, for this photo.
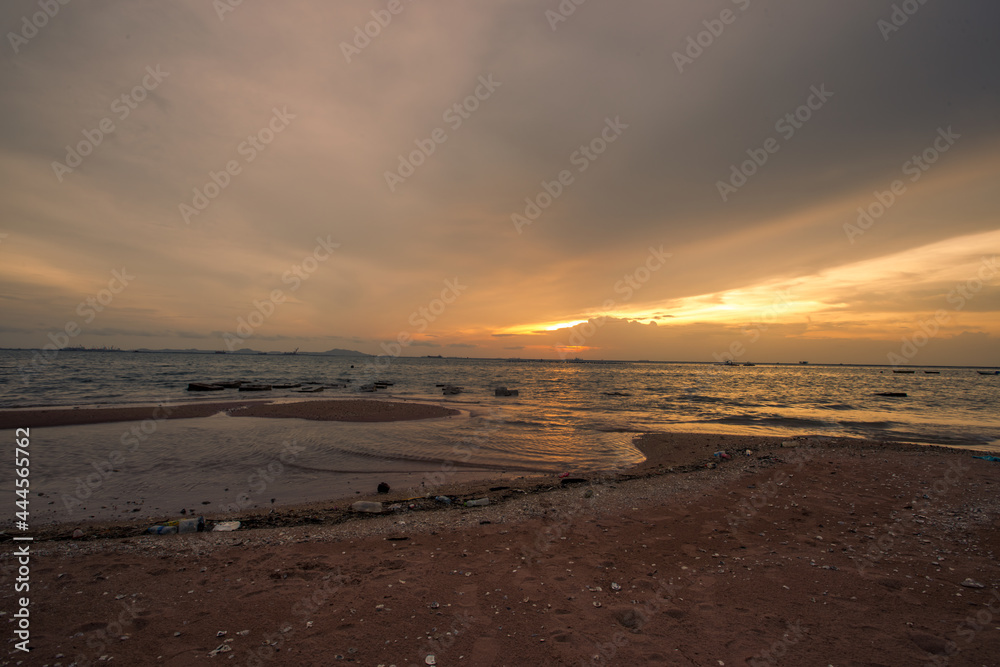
<point x="336" y="352"/>
<point x="190" y="350"/>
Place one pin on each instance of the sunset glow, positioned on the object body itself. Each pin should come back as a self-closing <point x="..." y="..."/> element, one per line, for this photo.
<point x="486" y="201"/>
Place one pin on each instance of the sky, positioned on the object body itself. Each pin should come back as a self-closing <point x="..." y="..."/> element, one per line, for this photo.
<point x="664" y="180"/>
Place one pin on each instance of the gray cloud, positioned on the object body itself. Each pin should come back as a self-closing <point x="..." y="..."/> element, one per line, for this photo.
<point x="324" y="174"/>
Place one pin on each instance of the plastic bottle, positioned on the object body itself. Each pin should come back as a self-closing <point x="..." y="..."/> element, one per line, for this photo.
<point x="191" y="525"/>
<point x="479" y="502"/>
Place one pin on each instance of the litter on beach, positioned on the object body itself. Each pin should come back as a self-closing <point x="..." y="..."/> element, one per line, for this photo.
<point x="225" y="526"/>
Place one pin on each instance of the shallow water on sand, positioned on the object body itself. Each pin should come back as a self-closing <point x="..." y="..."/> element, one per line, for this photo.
<point x="225" y="463"/>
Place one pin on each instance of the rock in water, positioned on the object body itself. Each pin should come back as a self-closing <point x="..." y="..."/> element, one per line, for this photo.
<point x="204" y="386"/>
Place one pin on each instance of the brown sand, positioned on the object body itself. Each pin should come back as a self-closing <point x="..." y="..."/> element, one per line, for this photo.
<point x="343" y="410"/>
<point x="833" y="553"/>
<point x="358" y="410"/>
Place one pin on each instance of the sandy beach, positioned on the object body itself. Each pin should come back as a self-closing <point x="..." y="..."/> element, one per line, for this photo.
<point x="803" y="552"/>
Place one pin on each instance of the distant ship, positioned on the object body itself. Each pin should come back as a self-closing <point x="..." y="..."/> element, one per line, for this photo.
<point x="296" y="351"/>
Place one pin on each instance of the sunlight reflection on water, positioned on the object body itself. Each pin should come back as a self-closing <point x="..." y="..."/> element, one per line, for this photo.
<point x="567" y="417"/>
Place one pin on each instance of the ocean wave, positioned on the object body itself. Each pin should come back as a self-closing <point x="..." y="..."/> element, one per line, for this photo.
<point x="618" y="429"/>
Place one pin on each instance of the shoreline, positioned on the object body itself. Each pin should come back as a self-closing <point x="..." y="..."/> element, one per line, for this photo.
<point x="197" y="407"/>
<point x="667" y="454"/>
<point x="826" y="552"/>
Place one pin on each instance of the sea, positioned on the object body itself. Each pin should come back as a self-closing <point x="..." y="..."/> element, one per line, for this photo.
<point x="568" y="416"/>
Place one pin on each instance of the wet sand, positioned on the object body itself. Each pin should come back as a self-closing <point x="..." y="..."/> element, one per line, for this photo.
<point x="828" y="552"/>
<point x="359" y="410"/>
